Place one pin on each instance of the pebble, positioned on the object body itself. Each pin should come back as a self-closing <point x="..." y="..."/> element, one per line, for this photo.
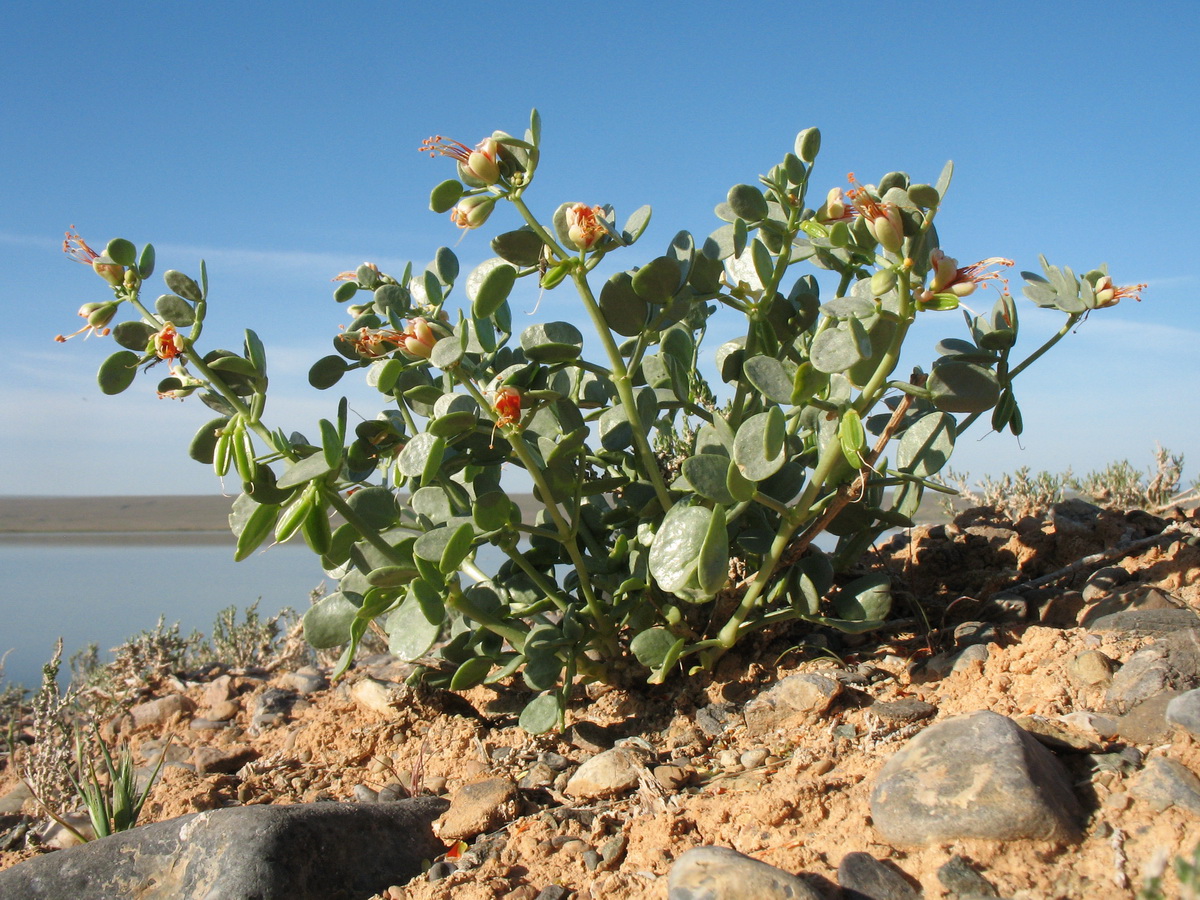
<point x="1147" y="722"/>
<point x="612" y="850"/>
<point x="1091" y="668"/>
<point x="479" y="807"/>
<point x="1146" y="673"/>
<point x="906" y="709"/>
<point x="708" y="873"/>
<point x="12" y="801"/>
<point x="552" y="892"/>
<point x="440" y="870"/>
<point x="715" y="718"/>
<point x="862" y="875"/>
<point x="591" y="860"/>
<point x="608" y="774"/>
<point x="555" y="761"/>
<point x="208" y="724"/>
<point x="1103" y="582"/>
<point x="974" y="776"/>
<point x="590" y="737"/>
<point x="958" y="878"/>
<point x="1165" y="783"/>
<point x="754" y="757"/>
<point x="159" y="711"/>
<point x="305" y="680"/>
<point x="222" y="760"/>
<point x="672" y="778"/>
<point x="272" y="707"/>
<point x="795" y="697"/>
<point x="364" y="794"/>
<point x="975" y="653"/>
<point x="539" y="775"/>
<point x="377" y="696"/>
<point x="1184" y="712"/>
<point x="391" y="791"/>
<point x="1057" y="735"/>
<point x="219" y="690"/>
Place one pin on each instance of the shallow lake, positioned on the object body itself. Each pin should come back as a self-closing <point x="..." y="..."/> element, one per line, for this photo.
<point x="109" y="587"/>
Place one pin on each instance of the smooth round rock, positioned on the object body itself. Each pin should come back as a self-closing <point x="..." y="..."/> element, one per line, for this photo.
<point x="607" y="774"/>
<point x="709" y="873"/>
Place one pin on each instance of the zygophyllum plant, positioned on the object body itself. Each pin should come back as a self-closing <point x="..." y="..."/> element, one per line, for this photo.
<point x="675" y="516"/>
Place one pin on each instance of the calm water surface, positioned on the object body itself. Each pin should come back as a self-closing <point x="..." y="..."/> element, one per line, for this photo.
<point x="102" y="593"/>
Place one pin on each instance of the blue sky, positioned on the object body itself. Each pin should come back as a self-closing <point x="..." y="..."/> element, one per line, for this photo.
<point x="279" y="142"/>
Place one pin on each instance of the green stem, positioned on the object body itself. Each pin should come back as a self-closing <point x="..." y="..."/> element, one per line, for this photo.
<point x="457" y="601"/>
<point x="369" y="534"/>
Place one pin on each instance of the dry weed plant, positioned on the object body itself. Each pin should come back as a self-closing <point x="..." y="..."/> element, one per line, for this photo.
<point x="1119" y="485"/>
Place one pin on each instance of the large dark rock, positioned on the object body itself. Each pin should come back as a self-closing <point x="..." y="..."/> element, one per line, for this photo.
<point x="317" y="851"/>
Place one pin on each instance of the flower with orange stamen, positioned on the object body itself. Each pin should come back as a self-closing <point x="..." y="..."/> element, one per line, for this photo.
<point x="584" y="225"/>
<point x="1107" y="294"/>
<point x="76" y="248"/>
<point x="507" y="404"/>
<point x="947" y="277"/>
<point x="98" y="316"/>
<point x="167" y="343"/>
<point x="883" y="219"/>
<point x="482" y="163"/>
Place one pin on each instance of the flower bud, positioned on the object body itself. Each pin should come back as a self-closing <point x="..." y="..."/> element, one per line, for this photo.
<point x="109" y="270"/>
<point x="418" y="339"/>
<point x="481" y="162"/>
<point x="943" y="268"/>
<point x="98" y="315"/>
<point x="882" y="282"/>
<point x="834" y="208"/>
<point x="887" y="228"/>
<point x="471" y="212"/>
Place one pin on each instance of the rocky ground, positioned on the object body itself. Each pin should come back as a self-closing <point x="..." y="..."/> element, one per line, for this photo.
<point x="1029" y="728"/>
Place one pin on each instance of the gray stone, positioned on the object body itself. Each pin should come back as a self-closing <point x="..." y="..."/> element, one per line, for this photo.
<point x="863" y="877"/>
<point x="314" y="851"/>
<point x="960" y="880"/>
<point x="272" y="707"/>
<point x="224" y="760"/>
<point x="974" y="776"/>
<point x="718" y="873"/>
<point x="1142" y="622"/>
<point x="975" y="653"/>
<point x="1103" y="582"/>
<point x="1091" y="668"/>
<point x="715" y="718"/>
<point x="795" y="697"/>
<point x="13" y="800"/>
<point x="479" y="807"/>
<point x="1171" y="663"/>
<point x="1058" y="735"/>
<point x="305" y="680"/>
<point x="380" y="697"/>
<point x="1165" y="783"/>
<point x="607" y="774"/>
<point x="552" y="892"/>
<point x="1184" y="712"/>
<point x="1147" y="722"/>
<point x="160" y="711"/>
<point x="906" y="709"/>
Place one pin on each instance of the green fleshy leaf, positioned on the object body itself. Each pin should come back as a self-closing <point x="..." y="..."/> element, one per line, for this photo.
<point x="117" y="372"/>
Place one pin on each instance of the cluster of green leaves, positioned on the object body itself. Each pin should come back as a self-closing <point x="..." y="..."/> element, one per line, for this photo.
<point x="638" y="560"/>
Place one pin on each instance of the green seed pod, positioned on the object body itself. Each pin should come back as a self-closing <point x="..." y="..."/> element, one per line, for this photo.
<point x="748" y="202"/>
<point x="882" y="282"/>
<point x="555" y="275"/>
<point x="316" y="531"/>
<point x="294" y="515"/>
<point x="852" y="438"/>
<point x="221" y="454"/>
<point x="345" y="291"/>
<point x="924" y="195"/>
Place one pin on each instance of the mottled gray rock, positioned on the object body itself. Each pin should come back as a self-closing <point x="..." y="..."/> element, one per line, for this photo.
<point x="975" y="653"/>
<point x="1147" y="722"/>
<point x="479" y="807"/>
<point x="1091" y="668"/>
<point x="795" y="697"/>
<point x="1184" y="712"/>
<point x="607" y="774"/>
<point x="906" y="709"/>
<point x="1141" y="622"/>
<point x="13" y="800"/>
<point x="272" y="707"/>
<point x="974" y="776"/>
<point x="715" y="718"/>
<point x="318" y="851"/>
<point x="1170" y="663"/>
<point x="960" y="880"/>
<point x="718" y="873"/>
<point x="1165" y="783"/>
<point x="863" y="877"/>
